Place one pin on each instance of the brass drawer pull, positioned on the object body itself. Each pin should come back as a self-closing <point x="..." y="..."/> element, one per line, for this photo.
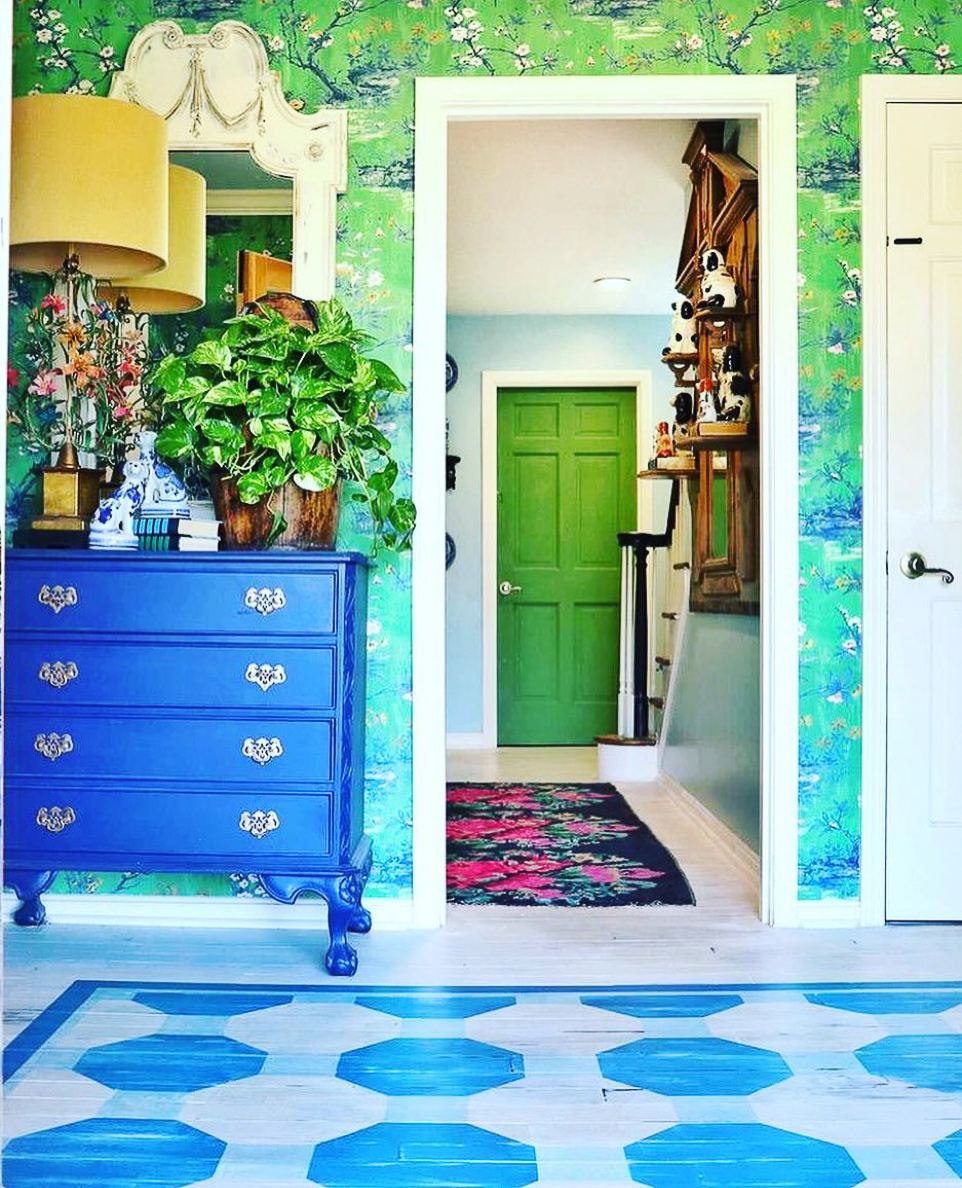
<point x="57" y="674"/>
<point x="57" y="597"/>
<point x="265" y="600"/>
<point x="265" y="675"/>
<point x="258" y="823"/>
<point x="56" y="819"/>
<point x="53" y="745"/>
<point x="262" y="750"/>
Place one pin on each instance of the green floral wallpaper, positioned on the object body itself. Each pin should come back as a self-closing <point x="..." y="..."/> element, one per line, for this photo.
<point x="364" y="55"/>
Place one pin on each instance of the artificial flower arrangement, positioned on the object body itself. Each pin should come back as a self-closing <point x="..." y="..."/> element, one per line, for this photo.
<point x="93" y="352"/>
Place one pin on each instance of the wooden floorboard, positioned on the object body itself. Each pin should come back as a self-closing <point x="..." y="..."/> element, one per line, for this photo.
<point x="721" y="939"/>
<point x="584" y="1121"/>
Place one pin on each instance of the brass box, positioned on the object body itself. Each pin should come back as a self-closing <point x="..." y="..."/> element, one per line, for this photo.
<point x="70" y="497"/>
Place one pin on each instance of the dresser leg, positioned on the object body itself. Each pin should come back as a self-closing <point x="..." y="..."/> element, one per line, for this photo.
<point x="343" y="892"/>
<point x="29" y="885"/>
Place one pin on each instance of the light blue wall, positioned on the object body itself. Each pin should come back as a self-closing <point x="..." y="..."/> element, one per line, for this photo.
<point x="713" y="743"/>
<point x="521" y="344"/>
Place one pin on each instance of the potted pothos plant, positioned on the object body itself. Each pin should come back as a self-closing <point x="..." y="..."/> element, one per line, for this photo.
<point x="280" y="412"/>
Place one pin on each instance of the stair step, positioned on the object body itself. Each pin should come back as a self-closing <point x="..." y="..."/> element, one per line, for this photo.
<point x="663" y="661"/>
<point x="656" y="702"/>
<point x="682" y="565"/>
<point x="672" y="615"/>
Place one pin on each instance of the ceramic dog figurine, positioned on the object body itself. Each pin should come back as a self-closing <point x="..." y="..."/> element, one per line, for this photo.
<point x="734" y="393"/>
<point x="707" y="407"/>
<point x="112" y="525"/>
<point x="683" y="339"/>
<point x="164" y="493"/>
<point x="718" y="287"/>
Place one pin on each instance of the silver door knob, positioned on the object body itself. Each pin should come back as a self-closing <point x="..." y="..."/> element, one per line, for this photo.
<point x="507" y="588"/>
<point x="913" y="566"/>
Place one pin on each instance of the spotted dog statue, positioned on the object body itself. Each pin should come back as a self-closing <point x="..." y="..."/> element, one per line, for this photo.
<point x="719" y="289"/>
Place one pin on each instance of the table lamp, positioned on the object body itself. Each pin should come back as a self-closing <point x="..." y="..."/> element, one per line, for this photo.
<point x="88" y="197"/>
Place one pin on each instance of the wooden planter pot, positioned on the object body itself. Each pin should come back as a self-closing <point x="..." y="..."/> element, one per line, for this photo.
<point x="311" y="517"/>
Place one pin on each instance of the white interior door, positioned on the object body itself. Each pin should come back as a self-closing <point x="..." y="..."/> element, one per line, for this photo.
<point x="924" y="283"/>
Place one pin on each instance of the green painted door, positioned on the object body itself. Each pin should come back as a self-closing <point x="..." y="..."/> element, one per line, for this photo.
<point x="566" y="487"/>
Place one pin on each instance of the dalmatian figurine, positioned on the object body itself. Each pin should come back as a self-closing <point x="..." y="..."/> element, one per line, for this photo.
<point x="112" y="525"/>
<point x="683" y="339"/>
<point x="734" y="393"/>
<point x="718" y="287"/>
<point x="707" y="406"/>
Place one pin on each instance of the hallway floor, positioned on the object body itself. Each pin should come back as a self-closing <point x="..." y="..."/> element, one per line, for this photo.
<point x="718" y="943"/>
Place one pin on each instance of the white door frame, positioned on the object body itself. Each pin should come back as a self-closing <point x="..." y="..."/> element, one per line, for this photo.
<point x="770" y="100"/>
<point x="491" y="383"/>
<point x="876" y="92"/>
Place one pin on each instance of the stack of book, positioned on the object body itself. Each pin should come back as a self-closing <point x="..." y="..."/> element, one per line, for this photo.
<point x="177" y="533"/>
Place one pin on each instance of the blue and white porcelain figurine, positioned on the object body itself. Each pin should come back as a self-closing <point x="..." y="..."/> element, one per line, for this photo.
<point x="164" y="494"/>
<point x="149" y="487"/>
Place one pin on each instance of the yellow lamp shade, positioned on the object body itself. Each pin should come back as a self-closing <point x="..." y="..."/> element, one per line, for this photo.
<point x="182" y="285"/>
<point x="87" y="176"/>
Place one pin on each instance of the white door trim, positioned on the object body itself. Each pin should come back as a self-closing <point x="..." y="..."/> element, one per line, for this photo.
<point x="491" y="383"/>
<point x="876" y="92"/>
<point x="770" y="100"/>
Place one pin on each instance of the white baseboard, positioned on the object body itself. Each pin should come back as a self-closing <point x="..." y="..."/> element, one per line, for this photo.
<point x="467" y="742"/>
<point x="740" y="854"/>
<point x="829" y="913"/>
<point x="202" y="911"/>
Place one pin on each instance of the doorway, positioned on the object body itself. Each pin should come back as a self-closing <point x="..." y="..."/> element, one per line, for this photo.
<point x="771" y="102"/>
<point x="567" y="459"/>
<point x="909" y="779"/>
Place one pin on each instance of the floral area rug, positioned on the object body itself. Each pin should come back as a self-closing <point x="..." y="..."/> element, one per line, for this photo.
<point x="561" y="845"/>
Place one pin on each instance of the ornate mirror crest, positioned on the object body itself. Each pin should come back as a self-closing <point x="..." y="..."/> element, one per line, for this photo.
<point x="216" y="91"/>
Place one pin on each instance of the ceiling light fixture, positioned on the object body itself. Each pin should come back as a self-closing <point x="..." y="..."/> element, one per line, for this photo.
<point x="612" y="282"/>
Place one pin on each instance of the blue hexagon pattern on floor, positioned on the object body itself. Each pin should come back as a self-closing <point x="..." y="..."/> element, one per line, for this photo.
<point x="741" y="1155"/>
<point x="430" y="1067"/>
<point x="173" y="1085"/>
<point x="112" y="1153"/>
<point x="694" y="1067"/>
<point x="171" y="1063"/>
<point x="412" y="1155"/>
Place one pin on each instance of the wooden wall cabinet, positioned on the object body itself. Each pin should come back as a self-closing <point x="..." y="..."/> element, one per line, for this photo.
<point x="723" y="214"/>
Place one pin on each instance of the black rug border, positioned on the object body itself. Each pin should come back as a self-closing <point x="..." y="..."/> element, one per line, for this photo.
<point x="629" y="814"/>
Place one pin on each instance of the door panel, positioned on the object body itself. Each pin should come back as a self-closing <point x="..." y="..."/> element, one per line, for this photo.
<point x="566" y="487"/>
<point x="924" y="794"/>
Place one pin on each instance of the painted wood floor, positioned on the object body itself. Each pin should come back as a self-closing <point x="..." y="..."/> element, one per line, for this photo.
<point x="888" y="1124"/>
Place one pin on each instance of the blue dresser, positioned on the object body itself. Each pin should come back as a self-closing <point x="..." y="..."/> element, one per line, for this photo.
<point x="189" y="712"/>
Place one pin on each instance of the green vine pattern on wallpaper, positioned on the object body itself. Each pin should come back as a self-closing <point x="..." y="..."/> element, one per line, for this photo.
<point x="364" y="55"/>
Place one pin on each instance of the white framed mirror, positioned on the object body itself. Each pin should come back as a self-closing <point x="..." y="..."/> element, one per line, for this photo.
<point x="219" y="96"/>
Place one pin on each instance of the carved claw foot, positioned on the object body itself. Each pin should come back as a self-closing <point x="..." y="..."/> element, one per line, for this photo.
<point x="360" y="920"/>
<point x="28" y="886"/>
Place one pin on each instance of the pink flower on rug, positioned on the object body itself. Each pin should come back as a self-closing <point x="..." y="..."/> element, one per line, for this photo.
<point x="468" y="795"/>
<point x="465" y="874"/>
<point x="531" y="882"/>
<point x="600" y="874"/>
<point x="587" y="828"/>
<point x="484" y="827"/>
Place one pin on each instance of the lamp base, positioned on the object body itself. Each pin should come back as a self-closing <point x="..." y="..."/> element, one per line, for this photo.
<point x="70" y="497"/>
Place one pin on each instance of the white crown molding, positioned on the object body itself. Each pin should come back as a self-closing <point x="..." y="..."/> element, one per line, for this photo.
<point x="250" y="202"/>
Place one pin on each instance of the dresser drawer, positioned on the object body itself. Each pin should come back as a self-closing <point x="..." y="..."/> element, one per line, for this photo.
<point x="51" y="745"/>
<point x="249" y="829"/>
<point x="61" y="671"/>
<point x="171" y="593"/>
